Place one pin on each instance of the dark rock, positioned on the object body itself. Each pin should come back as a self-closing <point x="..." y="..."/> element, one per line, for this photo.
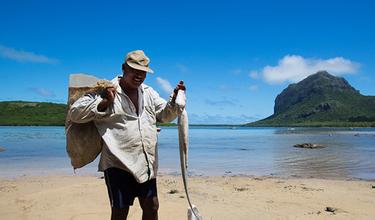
<point x="2" y="149"/>
<point x="322" y="107"/>
<point x="373" y="186"/>
<point x="240" y="189"/>
<point x="331" y="209"/>
<point x="309" y="145"/>
<point x="173" y="191"/>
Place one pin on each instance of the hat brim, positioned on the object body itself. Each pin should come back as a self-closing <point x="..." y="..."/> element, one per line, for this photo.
<point x="139" y="67"/>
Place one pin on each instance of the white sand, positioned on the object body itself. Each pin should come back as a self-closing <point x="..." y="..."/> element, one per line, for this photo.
<point x="85" y="197"/>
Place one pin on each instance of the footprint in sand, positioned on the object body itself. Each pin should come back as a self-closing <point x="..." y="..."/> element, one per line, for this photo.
<point x="90" y="215"/>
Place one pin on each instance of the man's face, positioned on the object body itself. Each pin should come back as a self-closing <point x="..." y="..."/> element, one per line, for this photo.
<point x="133" y="77"/>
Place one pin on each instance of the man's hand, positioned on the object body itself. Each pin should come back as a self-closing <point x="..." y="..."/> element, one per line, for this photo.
<point x="108" y="96"/>
<point x="179" y="86"/>
<point x="109" y="93"/>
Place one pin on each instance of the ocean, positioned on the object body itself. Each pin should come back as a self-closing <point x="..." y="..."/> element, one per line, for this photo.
<point x="349" y="153"/>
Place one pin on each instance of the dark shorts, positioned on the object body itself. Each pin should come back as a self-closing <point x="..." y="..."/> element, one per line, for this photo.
<point x="123" y="188"/>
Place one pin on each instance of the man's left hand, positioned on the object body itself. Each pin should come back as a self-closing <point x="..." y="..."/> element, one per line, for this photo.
<point x="180" y="86"/>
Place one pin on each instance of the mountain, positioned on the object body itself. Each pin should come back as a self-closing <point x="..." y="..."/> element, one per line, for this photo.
<point x="32" y="113"/>
<point x="321" y="100"/>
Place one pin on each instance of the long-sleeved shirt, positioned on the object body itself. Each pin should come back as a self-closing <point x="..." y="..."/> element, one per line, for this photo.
<point x="129" y="140"/>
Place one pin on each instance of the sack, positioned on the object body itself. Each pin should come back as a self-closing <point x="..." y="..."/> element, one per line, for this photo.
<point x="83" y="142"/>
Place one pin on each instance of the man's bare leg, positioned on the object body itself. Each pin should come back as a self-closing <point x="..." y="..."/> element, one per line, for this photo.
<point x="119" y="213"/>
<point x="149" y="207"/>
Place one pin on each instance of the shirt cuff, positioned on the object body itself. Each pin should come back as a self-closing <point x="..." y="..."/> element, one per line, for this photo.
<point x="171" y="102"/>
<point x="99" y="114"/>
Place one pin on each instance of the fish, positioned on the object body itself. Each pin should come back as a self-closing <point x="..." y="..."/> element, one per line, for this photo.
<point x="183" y="139"/>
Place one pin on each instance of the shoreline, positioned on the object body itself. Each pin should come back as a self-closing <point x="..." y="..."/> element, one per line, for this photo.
<point x="91" y="171"/>
<point x="98" y="174"/>
<point x="217" y="197"/>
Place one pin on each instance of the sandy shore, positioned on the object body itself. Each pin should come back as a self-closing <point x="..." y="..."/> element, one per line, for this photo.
<point x="85" y="197"/>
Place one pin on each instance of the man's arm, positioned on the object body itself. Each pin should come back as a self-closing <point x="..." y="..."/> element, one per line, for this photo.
<point x="92" y="106"/>
<point x="167" y="111"/>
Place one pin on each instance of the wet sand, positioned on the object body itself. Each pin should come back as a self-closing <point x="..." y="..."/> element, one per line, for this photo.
<point x="226" y="197"/>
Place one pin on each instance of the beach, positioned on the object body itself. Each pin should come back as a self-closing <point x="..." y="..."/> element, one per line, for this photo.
<point x="217" y="197"/>
<point x="244" y="173"/>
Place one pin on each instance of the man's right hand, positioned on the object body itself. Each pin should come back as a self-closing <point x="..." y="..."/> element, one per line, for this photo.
<point x="108" y="96"/>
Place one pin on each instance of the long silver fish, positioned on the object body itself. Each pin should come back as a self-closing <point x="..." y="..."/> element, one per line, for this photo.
<point x="183" y="139"/>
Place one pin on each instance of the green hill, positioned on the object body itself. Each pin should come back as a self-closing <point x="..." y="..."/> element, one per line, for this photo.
<point x="24" y="113"/>
<point x="321" y="100"/>
<point x="32" y="113"/>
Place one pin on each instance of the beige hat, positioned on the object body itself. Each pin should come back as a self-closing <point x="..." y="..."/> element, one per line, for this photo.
<point x="138" y="60"/>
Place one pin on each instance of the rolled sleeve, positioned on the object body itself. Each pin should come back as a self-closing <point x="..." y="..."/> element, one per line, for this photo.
<point x="85" y="109"/>
<point x="165" y="111"/>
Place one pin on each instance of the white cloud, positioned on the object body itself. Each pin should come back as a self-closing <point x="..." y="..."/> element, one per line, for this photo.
<point x="253" y="87"/>
<point x="220" y="119"/>
<point x="221" y="102"/>
<point x="224" y="87"/>
<point x="254" y="74"/>
<point x="43" y="92"/>
<point x="182" y="68"/>
<point x="294" y="68"/>
<point x="236" y="71"/>
<point x="165" y="85"/>
<point x="24" y="56"/>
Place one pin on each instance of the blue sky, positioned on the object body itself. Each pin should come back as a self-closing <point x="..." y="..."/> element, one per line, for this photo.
<point x="235" y="56"/>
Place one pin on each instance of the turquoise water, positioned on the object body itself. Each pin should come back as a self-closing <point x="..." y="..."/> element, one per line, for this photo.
<point x="349" y="153"/>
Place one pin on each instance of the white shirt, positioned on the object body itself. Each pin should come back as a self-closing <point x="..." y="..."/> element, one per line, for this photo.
<point x="129" y="140"/>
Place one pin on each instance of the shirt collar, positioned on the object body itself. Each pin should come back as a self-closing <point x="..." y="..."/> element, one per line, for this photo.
<point x="116" y="83"/>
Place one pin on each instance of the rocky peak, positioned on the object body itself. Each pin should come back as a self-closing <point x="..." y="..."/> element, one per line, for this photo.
<point x="323" y="79"/>
<point x="320" y="83"/>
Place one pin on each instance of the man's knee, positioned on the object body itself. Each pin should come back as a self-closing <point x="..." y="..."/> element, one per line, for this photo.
<point x="119" y="213"/>
<point x="149" y="204"/>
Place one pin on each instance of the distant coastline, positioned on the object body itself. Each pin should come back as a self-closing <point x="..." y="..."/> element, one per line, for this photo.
<point x="329" y="124"/>
<point x="25" y="113"/>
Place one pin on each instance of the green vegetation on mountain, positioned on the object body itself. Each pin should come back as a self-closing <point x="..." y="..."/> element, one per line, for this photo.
<point x="32" y="113"/>
<point x="321" y="100"/>
<point x="22" y="113"/>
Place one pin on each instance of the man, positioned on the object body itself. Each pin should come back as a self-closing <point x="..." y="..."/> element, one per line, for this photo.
<point x="125" y="116"/>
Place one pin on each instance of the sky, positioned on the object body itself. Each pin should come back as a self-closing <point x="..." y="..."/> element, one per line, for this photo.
<point x="235" y="57"/>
